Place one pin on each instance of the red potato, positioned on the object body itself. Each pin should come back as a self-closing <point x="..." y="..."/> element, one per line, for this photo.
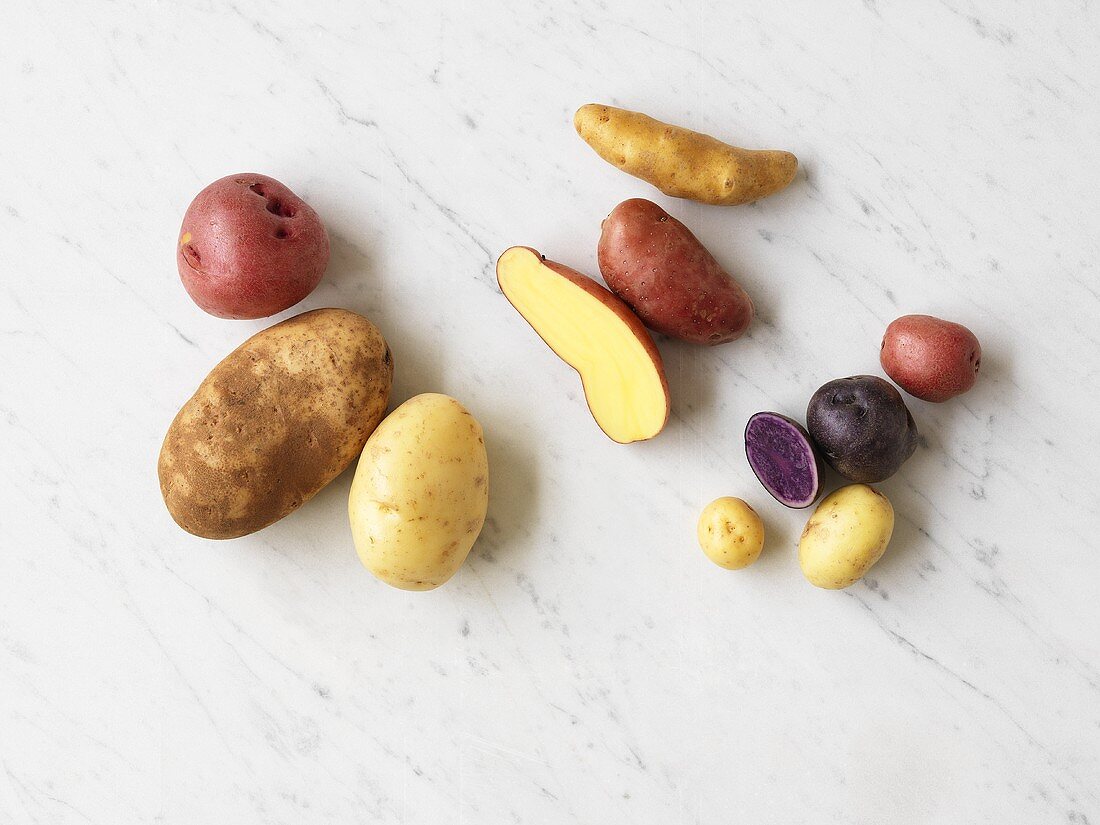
<point x="930" y="358"/>
<point x="654" y="264"/>
<point x="249" y="247"/>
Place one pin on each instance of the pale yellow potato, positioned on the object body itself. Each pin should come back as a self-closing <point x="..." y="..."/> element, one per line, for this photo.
<point x="680" y="162"/>
<point x="730" y="533"/>
<point x="279" y="418"/>
<point x="420" y="493"/>
<point x="845" y="536"/>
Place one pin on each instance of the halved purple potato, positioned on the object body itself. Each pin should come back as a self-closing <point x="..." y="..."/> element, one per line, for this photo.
<point x="783" y="457"/>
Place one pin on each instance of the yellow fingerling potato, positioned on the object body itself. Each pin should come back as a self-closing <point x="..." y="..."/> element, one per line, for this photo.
<point x="420" y="493"/>
<point x="680" y="162"/>
<point x="845" y="536"/>
<point x="730" y="533"/>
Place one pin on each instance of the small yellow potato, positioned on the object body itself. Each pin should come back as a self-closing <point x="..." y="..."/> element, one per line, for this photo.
<point x="420" y="493"/>
<point x="845" y="536"/>
<point x="680" y="162"/>
<point x="730" y="533"/>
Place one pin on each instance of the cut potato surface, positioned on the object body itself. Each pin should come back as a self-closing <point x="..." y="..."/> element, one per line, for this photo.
<point x="596" y="334"/>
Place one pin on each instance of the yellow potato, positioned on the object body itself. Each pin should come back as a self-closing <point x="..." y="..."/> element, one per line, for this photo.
<point x="680" y="162"/>
<point x="730" y="533"/>
<point x="279" y="418"/>
<point x="845" y="536"/>
<point x="420" y="493"/>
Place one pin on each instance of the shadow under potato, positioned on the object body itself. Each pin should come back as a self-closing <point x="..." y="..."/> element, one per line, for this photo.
<point x="513" y="488"/>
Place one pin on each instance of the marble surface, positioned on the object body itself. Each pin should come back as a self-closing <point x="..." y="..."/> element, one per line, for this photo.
<point x="588" y="664"/>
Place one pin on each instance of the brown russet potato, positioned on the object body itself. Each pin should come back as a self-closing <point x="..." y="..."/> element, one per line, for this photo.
<point x="249" y="247"/>
<point x="680" y="162"/>
<point x="930" y="358"/>
<point x="662" y="271"/>
<point x="279" y="418"/>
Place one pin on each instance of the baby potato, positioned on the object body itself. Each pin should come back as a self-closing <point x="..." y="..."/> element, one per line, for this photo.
<point x="730" y="533"/>
<point x="845" y="536"/>
<point x="420" y="493"/>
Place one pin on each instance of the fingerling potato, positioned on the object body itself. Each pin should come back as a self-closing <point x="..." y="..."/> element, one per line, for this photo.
<point x="680" y="162"/>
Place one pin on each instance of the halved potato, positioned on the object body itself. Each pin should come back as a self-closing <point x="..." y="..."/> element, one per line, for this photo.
<point x="596" y="334"/>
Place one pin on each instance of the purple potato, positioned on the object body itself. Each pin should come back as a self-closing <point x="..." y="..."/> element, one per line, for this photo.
<point x="782" y="456"/>
<point x="862" y="427"/>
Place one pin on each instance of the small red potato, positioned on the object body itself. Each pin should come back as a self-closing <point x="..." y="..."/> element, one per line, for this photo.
<point x="249" y="247"/>
<point x="930" y="358"/>
<point x="670" y="280"/>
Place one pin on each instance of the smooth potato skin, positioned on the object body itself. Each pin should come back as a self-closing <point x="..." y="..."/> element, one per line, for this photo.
<point x="845" y="536"/>
<point x="680" y="162"/>
<point x="930" y="358"/>
<point x="249" y="247"/>
<point x="657" y="266"/>
<point x="730" y="533"/>
<point x="279" y="418"/>
<point x="420" y="494"/>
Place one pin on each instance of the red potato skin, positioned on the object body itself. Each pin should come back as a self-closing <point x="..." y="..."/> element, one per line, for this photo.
<point x="661" y="270"/>
<point x="249" y="247"/>
<point x="930" y="358"/>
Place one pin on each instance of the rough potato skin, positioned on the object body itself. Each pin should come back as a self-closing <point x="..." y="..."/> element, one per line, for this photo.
<point x="654" y="264"/>
<point x="930" y="358"/>
<point x="279" y="418"/>
<point x="680" y="162"/>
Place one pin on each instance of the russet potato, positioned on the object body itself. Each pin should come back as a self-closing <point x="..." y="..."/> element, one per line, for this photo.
<point x="279" y="418"/>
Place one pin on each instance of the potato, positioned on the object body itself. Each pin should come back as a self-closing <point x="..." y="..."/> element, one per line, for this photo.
<point x="930" y="358"/>
<point x="249" y="247"/>
<point x="654" y="264"/>
<point x="680" y="162"/>
<point x="730" y="533"/>
<point x="862" y="427"/>
<point x="782" y="455"/>
<point x="845" y="536"/>
<point x="420" y="493"/>
<point x="279" y="418"/>
<point x="597" y="335"/>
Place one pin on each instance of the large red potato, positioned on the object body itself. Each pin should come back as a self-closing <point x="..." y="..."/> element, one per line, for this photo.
<point x="654" y="264"/>
<point x="930" y="358"/>
<point x="249" y="247"/>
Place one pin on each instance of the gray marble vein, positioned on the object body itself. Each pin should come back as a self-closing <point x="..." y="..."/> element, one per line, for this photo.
<point x="587" y="664"/>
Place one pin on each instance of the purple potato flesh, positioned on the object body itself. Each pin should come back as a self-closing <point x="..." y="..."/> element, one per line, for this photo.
<point x="782" y="456"/>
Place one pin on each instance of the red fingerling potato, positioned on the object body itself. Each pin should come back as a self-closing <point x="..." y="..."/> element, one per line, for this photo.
<point x="249" y="247"/>
<point x="930" y="358"/>
<point x="654" y="264"/>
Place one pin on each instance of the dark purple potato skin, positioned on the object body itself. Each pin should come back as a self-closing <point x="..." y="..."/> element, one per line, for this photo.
<point x="862" y="427"/>
<point x="782" y="455"/>
<point x="249" y="247"/>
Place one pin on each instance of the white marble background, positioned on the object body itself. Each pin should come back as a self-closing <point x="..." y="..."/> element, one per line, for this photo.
<point x="587" y="664"/>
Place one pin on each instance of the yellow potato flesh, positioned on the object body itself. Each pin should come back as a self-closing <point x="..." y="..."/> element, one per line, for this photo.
<point x="624" y="389"/>
<point x="420" y="493"/>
